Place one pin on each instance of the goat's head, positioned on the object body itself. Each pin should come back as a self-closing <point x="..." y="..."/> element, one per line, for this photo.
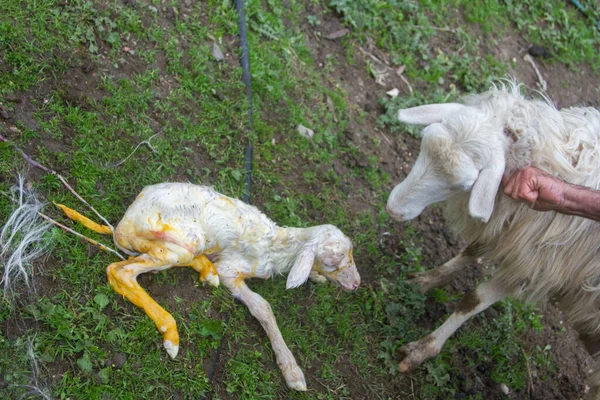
<point x="462" y="150"/>
<point x="329" y="252"/>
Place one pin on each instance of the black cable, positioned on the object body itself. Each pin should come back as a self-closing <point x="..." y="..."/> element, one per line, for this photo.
<point x="245" y="61"/>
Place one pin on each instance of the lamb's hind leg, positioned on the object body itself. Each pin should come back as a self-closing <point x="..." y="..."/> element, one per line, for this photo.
<point x="261" y="310"/>
<point x="441" y="275"/>
<point x="122" y="277"/>
<point x="416" y="353"/>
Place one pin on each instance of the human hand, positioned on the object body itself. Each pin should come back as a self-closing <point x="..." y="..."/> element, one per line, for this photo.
<point x="539" y="190"/>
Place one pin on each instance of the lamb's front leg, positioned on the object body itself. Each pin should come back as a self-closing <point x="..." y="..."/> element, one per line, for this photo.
<point x="202" y="264"/>
<point x="441" y="275"/>
<point x="416" y="353"/>
<point x="261" y="310"/>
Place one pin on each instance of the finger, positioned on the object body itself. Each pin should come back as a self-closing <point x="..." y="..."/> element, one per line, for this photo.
<point x="509" y="183"/>
<point x="518" y="183"/>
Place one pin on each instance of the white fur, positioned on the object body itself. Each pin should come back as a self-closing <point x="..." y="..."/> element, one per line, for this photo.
<point x="172" y="223"/>
<point x="21" y="238"/>
<point x="463" y="154"/>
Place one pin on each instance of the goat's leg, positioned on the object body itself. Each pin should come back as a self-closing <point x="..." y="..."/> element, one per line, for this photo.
<point x="261" y="310"/>
<point x="122" y="277"/>
<point x="594" y="381"/>
<point x="441" y="275"/>
<point x="206" y="269"/>
<point x="592" y="345"/>
<point x="416" y="353"/>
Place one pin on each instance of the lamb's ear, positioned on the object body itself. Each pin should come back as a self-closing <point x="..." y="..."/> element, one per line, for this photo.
<point x="428" y="114"/>
<point x="302" y="267"/>
<point x="483" y="193"/>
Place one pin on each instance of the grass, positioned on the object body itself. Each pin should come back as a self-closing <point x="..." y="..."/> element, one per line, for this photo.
<point x="89" y="102"/>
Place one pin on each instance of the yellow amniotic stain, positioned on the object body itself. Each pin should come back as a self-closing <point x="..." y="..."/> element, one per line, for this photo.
<point x="239" y="280"/>
<point x="88" y="223"/>
<point x="123" y="282"/>
<point x="227" y="200"/>
<point x="203" y="265"/>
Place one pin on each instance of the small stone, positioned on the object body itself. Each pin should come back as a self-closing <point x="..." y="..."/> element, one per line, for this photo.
<point x="492" y="312"/>
<point x="126" y="49"/>
<point x="153" y="9"/>
<point x="14" y="129"/>
<point x="118" y="360"/>
<point x="13" y="98"/>
<point x="216" y="52"/>
<point x="441" y="81"/>
<point x="539" y="51"/>
<point x="306" y="132"/>
<point x="4" y="112"/>
<point x="337" y="34"/>
<point x="393" y="93"/>
<point x="504" y="389"/>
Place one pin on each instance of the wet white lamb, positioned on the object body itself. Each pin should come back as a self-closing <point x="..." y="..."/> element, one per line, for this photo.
<point x="466" y="149"/>
<point x="225" y="240"/>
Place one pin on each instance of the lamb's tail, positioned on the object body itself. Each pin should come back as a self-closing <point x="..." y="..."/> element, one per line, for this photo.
<point x="88" y="223"/>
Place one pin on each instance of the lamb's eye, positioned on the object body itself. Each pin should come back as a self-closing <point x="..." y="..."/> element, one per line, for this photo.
<point x="328" y="267"/>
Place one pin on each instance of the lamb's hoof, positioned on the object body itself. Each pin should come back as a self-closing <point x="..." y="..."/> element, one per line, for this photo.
<point x="414" y="354"/>
<point x="172" y="349"/>
<point x="213" y="280"/>
<point x="294" y="377"/>
<point x="316" y="277"/>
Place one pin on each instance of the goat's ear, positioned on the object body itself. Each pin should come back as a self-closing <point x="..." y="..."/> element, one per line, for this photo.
<point x="302" y="267"/>
<point x="483" y="193"/>
<point x="428" y="114"/>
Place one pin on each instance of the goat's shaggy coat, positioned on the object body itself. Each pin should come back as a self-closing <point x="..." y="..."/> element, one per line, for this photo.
<point x="537" y="254"/>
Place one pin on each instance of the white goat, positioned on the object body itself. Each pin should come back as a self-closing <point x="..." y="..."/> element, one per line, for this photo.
<point x="465" y="151"/>
<point x="179" y="224"/>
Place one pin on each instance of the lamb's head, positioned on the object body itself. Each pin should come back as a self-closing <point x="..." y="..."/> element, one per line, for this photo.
<point x="462" y="150"/>
<point x="329" y="252"/>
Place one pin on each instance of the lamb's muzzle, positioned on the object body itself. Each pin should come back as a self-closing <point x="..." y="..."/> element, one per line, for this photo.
<point x="346" y="275"/>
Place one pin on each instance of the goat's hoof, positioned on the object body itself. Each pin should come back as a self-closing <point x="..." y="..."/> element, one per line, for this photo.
<point x="294" y="377"/>
<point x="172" y="349"/>
<point x="414" y="354"/>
